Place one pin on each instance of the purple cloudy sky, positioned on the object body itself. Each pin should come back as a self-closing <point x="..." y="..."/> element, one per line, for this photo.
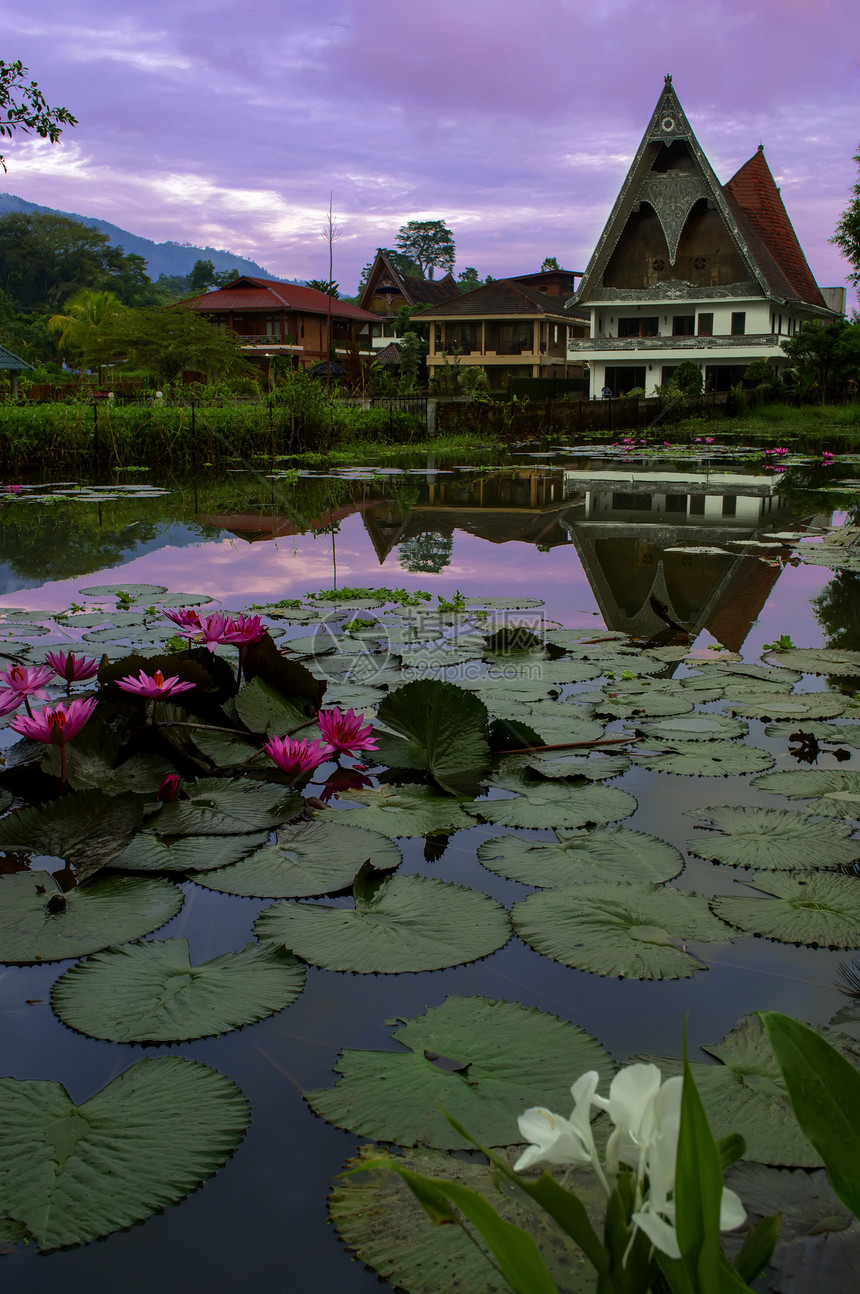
<point x="228" y="124"/>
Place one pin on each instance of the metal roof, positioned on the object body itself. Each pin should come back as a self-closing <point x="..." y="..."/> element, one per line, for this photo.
<point x="10" y="361"/>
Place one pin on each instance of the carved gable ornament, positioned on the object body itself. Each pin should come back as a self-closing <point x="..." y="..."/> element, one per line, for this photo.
<point x="673" y="197"/>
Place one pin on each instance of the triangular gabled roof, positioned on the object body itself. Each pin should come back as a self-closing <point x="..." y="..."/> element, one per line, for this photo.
<point x="12" y="362"/>
<point x="248" y="293"/>
<point x="750" y="208"/>
<point x="414" y="290"/>
<point x="753" y="195"/>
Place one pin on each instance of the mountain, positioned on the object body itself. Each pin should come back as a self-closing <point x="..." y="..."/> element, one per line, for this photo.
<point x="161" y="258"/>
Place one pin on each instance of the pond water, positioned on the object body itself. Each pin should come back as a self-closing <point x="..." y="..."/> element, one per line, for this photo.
<point x="615" y="541"/>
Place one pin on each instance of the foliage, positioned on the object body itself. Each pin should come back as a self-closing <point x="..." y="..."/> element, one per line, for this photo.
<point x="688" y="376"/>
<point x="847" y="235"/>
<point x="327" y="286"/>
<point x="759" y="372"/>
<point x="402" y="263"/>
<point x="204" y="277"/>
<point x="826" y="353"/>
<point x="81" y="331"/>
<point x="549" y="263"/>
<point x="23" y="107"/>
<point x="429" y="243"/>
<point x="469" y="279"/>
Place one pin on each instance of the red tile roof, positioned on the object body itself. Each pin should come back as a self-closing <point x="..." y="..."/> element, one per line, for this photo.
<point x="248" y="293"/>
<point x="756" y="203"/>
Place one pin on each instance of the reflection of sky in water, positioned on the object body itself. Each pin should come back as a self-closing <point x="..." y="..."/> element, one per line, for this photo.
<point x="268" y="1201"/>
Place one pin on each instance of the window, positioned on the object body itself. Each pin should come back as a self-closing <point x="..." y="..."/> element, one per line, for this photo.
<point x="631" y="502"/>
<point x="676" y="503"/>
<point x="639" y="327"/>
<point x="739" y="323"/>
<point x="730" y="505"/>
<point x="706" y="325"/>
<point x="683" y="325"/>
<point x="697" y="505"/>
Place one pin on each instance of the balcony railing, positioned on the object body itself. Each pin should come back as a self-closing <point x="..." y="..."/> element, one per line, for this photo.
<point x="593" y="344"/>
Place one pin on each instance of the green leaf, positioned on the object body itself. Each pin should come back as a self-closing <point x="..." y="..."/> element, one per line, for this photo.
<point x="835" y="661"/>
<point x="309" y="858"/>
<point x="224" y="807"/>
<point x="603" y="854"/>
<point x="824" y="1090"/>
<point x="694" y="727"/>
<point x="87" y="830"/>
<point x="40" y="923"/>
<point x="402" y="811"/>
<point x="413" y="924"/>
<point x="378" y="1217"/>
<point x="555" y="721"/>
<point x="289" y="677"/>
<point x="834" y="793"/>
<point x="799" y="705"/>
<point x="703" y="759"/>
<point x="149" y="853"/>
<point x="262" y="708"/>
<point x="135" y="592"/>
<point x="150" y="992"/>
<point x="818" y="909"/>
<point x="440" y="727"/>
<point x="772" y="839"/>
<point x="757" y="1248"/>
<point x="698" y="1189"/>
<point x="170" y="1122"/>
<point x="406" y="1097"/>
<point x="633" y="931"/>
<point x="553" y="804"/>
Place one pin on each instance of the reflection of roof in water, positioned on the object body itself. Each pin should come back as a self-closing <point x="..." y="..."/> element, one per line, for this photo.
<point x="496" y="525"/>
<point x="254" y="526"/>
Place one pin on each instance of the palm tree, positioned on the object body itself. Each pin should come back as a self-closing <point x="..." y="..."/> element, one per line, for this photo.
<point x="88" y="315"/>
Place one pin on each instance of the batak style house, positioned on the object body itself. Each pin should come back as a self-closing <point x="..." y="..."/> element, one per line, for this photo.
<point x="687" y="268"/>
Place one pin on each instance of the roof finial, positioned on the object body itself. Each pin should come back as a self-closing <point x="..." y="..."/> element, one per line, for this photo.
<point x="668" y="78"/>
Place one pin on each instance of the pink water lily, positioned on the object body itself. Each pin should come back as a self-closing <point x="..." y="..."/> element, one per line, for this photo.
<point x="186" y="618"/>
<point x="155" y="687"/>
<point x="9" y="700"/>
<point x="344" y="732"/>
<point x="297" y="757"/>
<point x="72" y="668"/>
<point x="244" y="629"/>
<point x="55" y="726"/>
<point x="28" y="680"/>
<point x="168" y="791"/>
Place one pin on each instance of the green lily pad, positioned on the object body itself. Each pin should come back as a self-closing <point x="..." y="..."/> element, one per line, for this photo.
<point x="596" y="766"/>
<point x="647" y="704"/>
<point x="221" y="806"/>
<point x="199" y="854"/>
<point x="38" y="923"/>
<point x="773" y="839"/>
<point x="694" y="727"/>
<point x="632" y="931"/>
<point x="846" y="734"/>
<point x="553" y="804"/>
<point x="149" y="992"/>
<point x="582" y="857"/>
<point x="796" y="705"/>
<point x="818" y="909"/>
<point x="378" y="1216"/>
<point x="170" y="1122"/>
<point x="556" y="721"/>
<point x="746" y="1094"/>
<point x="402" y="811"/>
<point x="409" y="923"/>
<point x="438" y="727"/>
<point x="834" y="793"/>
<point x="836" y="661"/>
<point x="308" y="859"/>
<point x="88" y="830"/>
<point x="262" y="708"/>
<point x="485" y="1078"/>
<point x="703" y="759"/>
<point x="137" y="592"/>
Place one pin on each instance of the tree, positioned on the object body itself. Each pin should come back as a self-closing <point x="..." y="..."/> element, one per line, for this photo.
<point x="468" y="279"/>
<point x="427" y="553"/>
<point x="413" y="361"/>
<point x="205" y="278"/>
<point x="688" y="377"/>
<point x="83" y="329"/>
<point x="24" y="107"/>
<point x="826" y="354"/>
<point x="549" y="263"/>
<point x="168" y="342"/>
<point x="46" y="258"/>
<point x="330" y="288"/>
<point x="429" y="243"/>
<point x="847" y="235"/>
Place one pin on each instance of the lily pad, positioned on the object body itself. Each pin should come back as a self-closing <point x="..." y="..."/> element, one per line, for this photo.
<point x="87" y="830"/>
<point x="556" y="721"/>
<point x="595" y="766"/>
<point x="149" y="853"/>
<point x="582" y="857"/>
<point x="773" y="839"/>
<point x="818" y="909"/>
<point x="263" y="709"/>
<point x="553" y="804"/>
<point x="38" y="923"/>
<point x="834" y="793"/>
<point x="149" y="992"/>
<point x="694" y="727"/>
<point x="438" y="727"/>
<point x="647" y="704"/>
<point x="170" y="1122"/>
<point x="632" y="931"/>
<point x="797" y="705"/>
<point x="408" y="923"/>
<point x="402" y="811"/>
<point x="470" y="1057"/>
<point x="136" y="592"/>
<point x="310" y="858"/>
<point x="378" y="1216"/>
<point x="836" y="661"/>
<point x="221" y="806"/>
<point x="704" y="759"/>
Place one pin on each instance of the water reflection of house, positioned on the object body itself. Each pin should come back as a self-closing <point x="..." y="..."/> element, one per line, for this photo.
<point x="637" y="536"/>
<point x="256" y="526"/>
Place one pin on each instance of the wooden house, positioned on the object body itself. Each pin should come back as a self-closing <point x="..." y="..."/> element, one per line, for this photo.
<point x="387" y="290"/>
<point x="687" y="268"/>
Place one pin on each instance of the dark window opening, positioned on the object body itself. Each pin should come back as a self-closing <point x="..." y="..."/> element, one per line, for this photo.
<point x="631" y="502"/>
<point x="639" y="327"/>
<point x="697" y="505"/>
<point x="676" y="503"/>
<point x="739" y="323"/>
<point x="730" y="505"/>
<point x="706" y="325"/>
<point x="683" y="325"/>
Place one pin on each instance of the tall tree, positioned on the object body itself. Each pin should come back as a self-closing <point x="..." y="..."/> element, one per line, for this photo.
<point x="826" y="354"/>
<point x="847" y="235"/>
<point x="321" y="285"/>
<point x="549" y="263"/>
<point x="82" y="330"/>
<point x="23" y="107"/>
<point x="429" y="243"/>
<point x="468" y="279"/>
<point x="47" y="258"/>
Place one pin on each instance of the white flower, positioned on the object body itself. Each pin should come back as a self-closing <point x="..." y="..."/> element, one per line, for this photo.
<point x="556" y="1140"/>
